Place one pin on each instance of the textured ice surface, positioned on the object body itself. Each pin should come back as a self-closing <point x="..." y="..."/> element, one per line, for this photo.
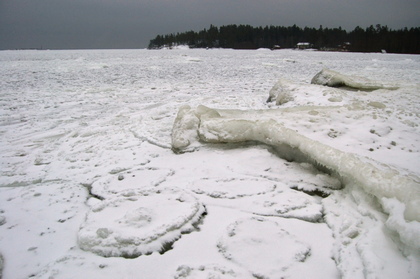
<point x="378" y="181"/>
<point x="132" y="179"/>
<point x="81" y="128"/>
<point x="270" y="249"/>
<point x="139" y="222"/>
<point x="357" y="173"/>
<point x="232" y="188"/>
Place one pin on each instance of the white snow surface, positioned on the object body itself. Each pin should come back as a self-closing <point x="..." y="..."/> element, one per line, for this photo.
<point x="320" y="182"/>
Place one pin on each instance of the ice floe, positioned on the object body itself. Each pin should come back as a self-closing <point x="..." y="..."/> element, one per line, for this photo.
<point x="139" y="222"/>
<point x="382" y="182"/>
<point x="334" y="79"/>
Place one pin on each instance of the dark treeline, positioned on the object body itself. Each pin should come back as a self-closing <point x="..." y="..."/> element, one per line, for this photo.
<point x="371" y="39"/>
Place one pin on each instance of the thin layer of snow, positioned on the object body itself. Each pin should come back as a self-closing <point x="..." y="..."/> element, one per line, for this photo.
<point x="87" y="161"/>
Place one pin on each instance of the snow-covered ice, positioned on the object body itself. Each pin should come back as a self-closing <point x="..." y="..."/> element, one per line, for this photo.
<point x="138" y="223"/>
<point x="173" y="164"/>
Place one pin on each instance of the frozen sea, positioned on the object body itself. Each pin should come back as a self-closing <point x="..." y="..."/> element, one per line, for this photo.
<point x="90" y="186"/>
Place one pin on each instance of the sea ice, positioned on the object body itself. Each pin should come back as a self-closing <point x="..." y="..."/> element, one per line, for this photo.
<point x="269" y="249"/>
<point x="378" y="181"/>
<point x="88" y="176"/>
<point x="355" y="173"/>
<point x="138" y="222"/>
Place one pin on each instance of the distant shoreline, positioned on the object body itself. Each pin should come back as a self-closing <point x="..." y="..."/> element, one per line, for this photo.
<point x="371" y="39"/>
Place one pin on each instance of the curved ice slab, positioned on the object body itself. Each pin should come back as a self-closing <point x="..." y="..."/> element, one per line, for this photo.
<point x="210" y="126"/>
<point x="139" y="222"/>
<point x="334" y="79"/>
<point x="1" y="265"/>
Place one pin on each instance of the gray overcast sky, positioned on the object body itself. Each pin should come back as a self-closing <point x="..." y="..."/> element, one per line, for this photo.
<point x="69" y="24"/>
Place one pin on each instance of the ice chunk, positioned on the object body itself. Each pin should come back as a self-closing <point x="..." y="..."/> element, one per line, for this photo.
<point x="334" y="79"/>
<point x="139" y="222"/>
<point x="2" y="220"/>
<point x="184" y="132"/>
<point x="381" y="182"/>
<point x="375" y="179"/>
<point x="409" y="232"/>
<point x="187" y="121"/>
<point x="281" y="92"/>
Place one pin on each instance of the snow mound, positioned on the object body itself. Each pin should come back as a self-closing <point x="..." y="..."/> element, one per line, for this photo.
<point x="334" y="79"/>
<point x="139" y="222"/>
<point x="263" y="247"/>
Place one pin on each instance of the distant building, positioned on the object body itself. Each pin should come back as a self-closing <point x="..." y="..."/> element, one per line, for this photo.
<point x="344" y="47"/>
<point x="303" y="45"/>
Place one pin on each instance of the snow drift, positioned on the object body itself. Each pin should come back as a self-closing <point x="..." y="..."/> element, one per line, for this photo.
<point x="213" y="126"/>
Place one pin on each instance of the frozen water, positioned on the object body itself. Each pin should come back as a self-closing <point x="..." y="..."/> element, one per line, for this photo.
<point x="88" y="176"/>
<point x="281" y="92"/>
<point x="271" y="249"/>
<point x="135" y="223"/>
